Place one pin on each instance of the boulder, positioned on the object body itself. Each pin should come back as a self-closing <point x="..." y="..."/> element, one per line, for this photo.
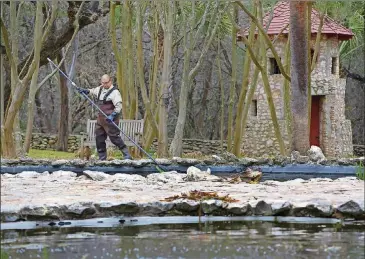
<point x="315" y="154"/>
<point x="194" y="174"/>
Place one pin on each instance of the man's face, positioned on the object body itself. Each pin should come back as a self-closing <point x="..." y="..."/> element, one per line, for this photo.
<point x="106" y="83"/>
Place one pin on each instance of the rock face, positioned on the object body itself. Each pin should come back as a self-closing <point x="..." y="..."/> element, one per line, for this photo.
<point x="65" y="195"/>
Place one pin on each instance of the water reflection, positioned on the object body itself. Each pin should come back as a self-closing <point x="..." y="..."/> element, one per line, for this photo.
<point x="206" y="240"/>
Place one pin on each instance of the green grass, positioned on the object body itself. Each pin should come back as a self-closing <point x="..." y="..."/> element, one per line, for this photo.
<point x="50" y="154"/>
<point x="360" y="171"/>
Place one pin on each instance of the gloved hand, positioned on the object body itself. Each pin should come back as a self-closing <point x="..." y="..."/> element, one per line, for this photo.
<point x="111" y="117"/>
<point x="83" y="90"/>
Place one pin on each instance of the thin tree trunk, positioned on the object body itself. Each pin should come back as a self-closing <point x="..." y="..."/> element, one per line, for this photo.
<point x="299" y="75"/>
<point x="62" y="140"/>
<point x="287" y="109"/>
<point x="132" y="90"/>
<point x="309" y="37"/>
<point x="245" y="81"/>
<point x="232" y="92"/>
<point x="34" y="82"/>
<point x="176" y="144"/>
<point x="165" y="79"/>
<point x="140" y="64"/>
<point x="221" y="87"/>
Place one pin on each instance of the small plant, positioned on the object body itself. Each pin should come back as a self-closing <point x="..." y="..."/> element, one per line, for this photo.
<point x="360" y="171"/>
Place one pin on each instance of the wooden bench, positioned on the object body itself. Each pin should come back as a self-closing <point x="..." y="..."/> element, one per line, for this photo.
<point x="132" y="128"/>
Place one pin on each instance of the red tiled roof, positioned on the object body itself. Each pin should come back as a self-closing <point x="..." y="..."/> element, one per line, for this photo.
<point x="281" y="16"/>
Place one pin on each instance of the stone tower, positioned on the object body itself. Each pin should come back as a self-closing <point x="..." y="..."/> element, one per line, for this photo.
<point x="330" y="130"/>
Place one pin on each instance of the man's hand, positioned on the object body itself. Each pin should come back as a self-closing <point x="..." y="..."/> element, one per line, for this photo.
<point x="83" y="90"/>
<point x="111" y="117"/>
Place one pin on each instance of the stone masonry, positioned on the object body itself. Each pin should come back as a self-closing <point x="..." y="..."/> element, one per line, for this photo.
<point x="335" y="129"/>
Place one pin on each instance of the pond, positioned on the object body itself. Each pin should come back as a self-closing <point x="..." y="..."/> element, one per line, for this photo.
<point x="209" y="239"/>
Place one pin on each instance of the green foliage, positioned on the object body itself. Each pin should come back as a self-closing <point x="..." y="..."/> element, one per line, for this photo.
<point x="4" y="255"/>
<point x="360" y="171"/>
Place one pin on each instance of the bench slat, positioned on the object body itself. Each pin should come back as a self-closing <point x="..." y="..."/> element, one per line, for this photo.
<point x="132" y="128"/>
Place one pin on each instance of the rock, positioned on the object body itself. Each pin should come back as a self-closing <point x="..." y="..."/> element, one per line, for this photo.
<point x="122" y="208"/>
<point x="296" y="157"/>
<point x="229" y="157"/>
<point x="262" y="209"/>
<point x="251" y="176"/>
<point x="351" y="208"/>
<point x="28" y="174"/>
<point x="185" y="161"/>
<point x="195" y="174"/>
<point x="239" y="209"/>
<point x="344" y="161"/>
<point x="163" y="161"/>
<point x="315" y="154"/>
<point x="265" y="160"/>
<point x="80" y="209"/>
<point x="211" y="206"/>
<point x="129" y="178"/>
<point x="217" y="158"/>
<point x="78" y="162"/>
<point x="321" y="208"/>
<point x="281" y="208"/>
<point x="186" y="205"/>
<point x="281" y="160"/>
<point x="96" y="176"/>
<point x="247" y="161"/>
<point x="118" y="162"/>
<point x="156" y="208"/>
<point x="60" y="162"/>
<point x="166" y="177"/>
<point x="141" y="162"/>
<point x="63" y="174"/>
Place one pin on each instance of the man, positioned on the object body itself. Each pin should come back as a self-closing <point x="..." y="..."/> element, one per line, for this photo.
<point x="109" y="101"/>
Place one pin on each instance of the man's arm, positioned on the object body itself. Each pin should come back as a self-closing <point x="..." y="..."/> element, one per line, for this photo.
<point x="94" y="91"/>
<point x="117" y="101"/>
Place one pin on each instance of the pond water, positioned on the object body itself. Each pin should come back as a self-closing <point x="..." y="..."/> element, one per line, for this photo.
<point x="228" y="239"/>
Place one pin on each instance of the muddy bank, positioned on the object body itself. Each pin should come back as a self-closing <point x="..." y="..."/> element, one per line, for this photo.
<point x="64" y="195"/>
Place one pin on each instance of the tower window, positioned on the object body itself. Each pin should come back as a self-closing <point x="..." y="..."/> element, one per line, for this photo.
<point x="274" y="67"/>
<point x="334" y="66"/>
<point x="253" y="108"/>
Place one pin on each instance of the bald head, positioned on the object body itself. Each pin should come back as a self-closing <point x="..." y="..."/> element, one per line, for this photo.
<point x="106" y="81"/>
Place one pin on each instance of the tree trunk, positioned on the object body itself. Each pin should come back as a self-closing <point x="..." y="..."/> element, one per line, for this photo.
<point x="299" y="75"/>
<point x="33" y="85"/>
<point x="176" y="144"/>
<point x="232" y="92"/>
<point x="62" y="139"/>
<point x="242" y="97"/>
<point x="162" y="150"/>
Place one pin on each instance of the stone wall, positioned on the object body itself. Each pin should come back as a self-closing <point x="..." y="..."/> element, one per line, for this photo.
<point x="260" y="140"/>
<point x="48" y="142"/>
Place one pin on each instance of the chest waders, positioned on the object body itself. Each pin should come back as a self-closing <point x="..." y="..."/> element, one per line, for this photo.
<point x="104" y="128"/>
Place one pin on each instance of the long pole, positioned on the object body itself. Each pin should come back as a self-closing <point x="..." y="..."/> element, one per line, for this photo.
<point x="97" y="107"/>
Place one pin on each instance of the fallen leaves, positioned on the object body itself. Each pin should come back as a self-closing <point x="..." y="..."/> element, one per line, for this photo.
<point x="201" y="195"/>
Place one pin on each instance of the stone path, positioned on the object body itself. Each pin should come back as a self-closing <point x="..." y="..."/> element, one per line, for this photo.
<point x="63" y="195"/>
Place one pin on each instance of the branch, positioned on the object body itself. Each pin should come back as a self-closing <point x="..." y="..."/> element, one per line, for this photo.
<point x="267" y="39"/>
<point x="354" y="76"/>
<point x="59" y="38"/>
